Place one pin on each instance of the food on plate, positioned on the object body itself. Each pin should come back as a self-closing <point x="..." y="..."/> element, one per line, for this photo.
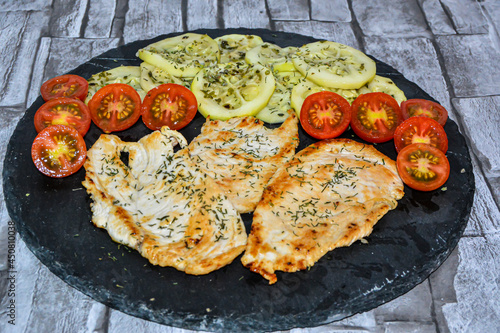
<point x="152" y="77"/>
<point x="169" y="105"/>
<point x="420" y="130"/>
<point x="241" y="154"/>
<point x="130" y="75"/>
<point x="425" y="108"/>
<point x="375" y="117"/>
<point x="58" y="151"/>
<point x="276" y="110"/>
<point x="325" y="115"/>
<point x="334" y="65"/>
<point x="386" y="85"/>
<point x="423" y="167"/>
<point x="329" y="195"/>
<point x="63" y="111"/>
<point x="233" y="47"/>
<point x="182" y="56"/>
<point x="233" y="90"/>
<point x="161" y="204"/>
<point x="272" y="56"/>
<point x="115" y="107"/>
<point x="69" y="85"/>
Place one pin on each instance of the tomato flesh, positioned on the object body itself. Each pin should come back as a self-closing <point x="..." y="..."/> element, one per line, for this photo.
<point x="375" y="117"/>
<point x="63" y="111"/>
<point x="58" y="151"/>
<point x="169" y="105"/>
<point x="325" y="115"/>
<point x="69" y="85"/>
<point x="423" y="167"/>
<point x="424" y="108"/>
<point x="115" y="107"/>
<point x="420" y="130"/>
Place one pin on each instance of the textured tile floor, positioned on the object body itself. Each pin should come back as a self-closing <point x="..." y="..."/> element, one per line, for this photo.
<point x="450" y="48"/>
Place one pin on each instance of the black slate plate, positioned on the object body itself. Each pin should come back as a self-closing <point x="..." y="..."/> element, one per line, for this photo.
<point x="53" y="218"/>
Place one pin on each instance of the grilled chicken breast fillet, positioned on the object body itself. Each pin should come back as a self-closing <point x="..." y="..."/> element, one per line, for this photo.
<point x="241" y="154"/>
<point x="329" y="195"/>
<point x="162" y="204"/>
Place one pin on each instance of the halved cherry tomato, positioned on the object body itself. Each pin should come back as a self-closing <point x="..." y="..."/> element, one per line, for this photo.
<point x="63" y="111"/>
<point x="425" y="108"/>
<point x="58" y="151"/>
<point x="423" y="167"/>
<point x="420" y="130"/>
<point x="169" y="105"/>
<point x="325" y="115"/>
<point x="69" y="85"/>
<point x="115" y="107"/>
<point x="375" y="117"/>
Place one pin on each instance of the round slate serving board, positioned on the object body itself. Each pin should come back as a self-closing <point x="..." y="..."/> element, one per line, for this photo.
<point x="53" y="218"/>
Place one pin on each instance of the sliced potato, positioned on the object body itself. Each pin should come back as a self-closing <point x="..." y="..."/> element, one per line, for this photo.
<point x="272" y="56"/>
<point x="276" y="110"/>
<point x="386" y="85"/>
<point x="334" y="65"/>
<point x="306" y="88"/>
<point x="233" y="90"/>
<point x="234" y="47"/>
<point x="182" y="56"/>
<point x="130" y="75"/>
<point x="152" y="77"/>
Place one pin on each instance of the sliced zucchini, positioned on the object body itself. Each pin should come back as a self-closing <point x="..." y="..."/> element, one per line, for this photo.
<point x="272" y="56"/>
<point x="182" y="56"/>
<point x="130" y="75"/>
<point x="233" y="90"/>
<point x="306" y="88"/>
<point x="234" y="47"/>
<point x="334" y="65"/>
<point x="386" y="85"/>
<point x="276" y="110"/>
<point x="152" y="77"/>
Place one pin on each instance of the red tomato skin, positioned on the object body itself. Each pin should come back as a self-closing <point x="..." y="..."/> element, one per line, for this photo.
<point x="45" y="113"/>
<point x="421" y="127"/>
<point x="45" y="140"/>
<point x="80" y="92"/>
<point x="326" y="130"/>
<point x="441" y="168"/>
<point x="430" y="109"/>
<point x="175" y="92"/>
<point x="113" y="124"/>
<point x="374" y="101"/>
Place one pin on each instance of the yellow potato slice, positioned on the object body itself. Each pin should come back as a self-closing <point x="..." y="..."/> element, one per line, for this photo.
<point x="152" y="77"/>
<point x="182" y="56"/>
<point x="130" y="75"/>
<point x="334" y="65"/>
<point x="234" y="47"/>
<point x="273" y="57"/>
<point x="386" y="85"/>
<point x="233" y="90"/>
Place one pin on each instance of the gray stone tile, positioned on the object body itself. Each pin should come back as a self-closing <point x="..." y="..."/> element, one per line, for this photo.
<point x="495" y="187"/>
<point x="437" y="19"/>
<point x="120" y="322"/>
<point x="409" y="327"/>
<point x="360" y="323"/>
<point x="255" y="14"/>
<point x="477" y="284"/>
<point x="67" y="17"/>
<point x="152" y="18"/>
<point x="290" y="10"/>
<point x="405" y="16"/>
<point x="467" y="16"/>
<point x="100" y="18"/>
<point x="336" y="32"/>
<point x="331" y="10"/>
<point x="201" y="14"/>
<point x="415" y="305"/>
<point x="472" y="64"/>
<point x="492" y="8"/>
<point x="439" y="317"/>
<point x="441" y="280"/>
<point x="483" y="131"/>
<point x="24" y="5"/>
<point x="417" y="60"/>
<point x="19" y="39"/>
<point x="37" y="76"/>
